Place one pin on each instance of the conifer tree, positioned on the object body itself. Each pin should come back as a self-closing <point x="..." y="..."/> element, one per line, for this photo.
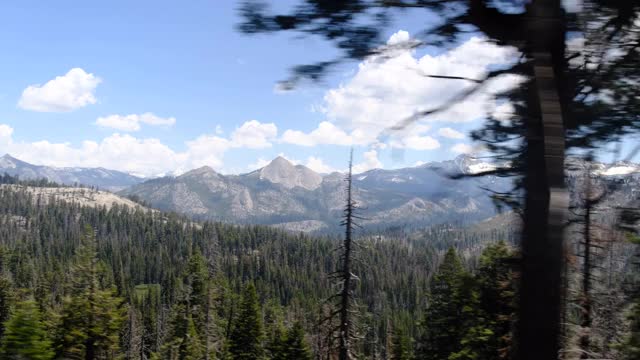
<point x="6" y="296"/>
<point x="247" y="333"/>
<point x="296" y="346"/>
<point x="631" y="347"/>
<point x="444" y="323"/>
<point x="498" y="296"/>
<point x="277" y="343"/>
<point x="197" y="279"/>
<point x="25" y="337"/>
<point x="193" y="349"/>
<point x="183" y="342"/>
<point x="92" y="314"/>
<point x="344" y="299"/>
<point x="400" y="346"/>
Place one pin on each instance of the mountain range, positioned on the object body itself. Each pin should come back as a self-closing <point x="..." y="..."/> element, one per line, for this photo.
<point x="111" y="180"/>
<point x="295" y="197"/>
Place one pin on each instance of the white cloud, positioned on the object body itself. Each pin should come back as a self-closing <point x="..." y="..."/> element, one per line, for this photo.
<point x="399" y="38"/>
<point x="386" y="90"/>
<point x="254" y="135"/>
<point x="462" y="148"/>
<point x="5" y="131"/>
<point x="450" y="133"/>
<point x="5" y="138"/>
<point x="503" y="113"/>
<point x="119" y="152"/>
<point x="370" y="161"/>
<point x="413" y="138"/>
<point x="132" y="122"/>
<point x="206" y="150"/>
<point x="65" y="93"/>
<point x="318" y="165"/>
<point x="325" y="133"/>
<point x="291" y="160"/>
<point x="259" y="164"/>
<point x="416" y="142"/>
<point x="142" y="156"/>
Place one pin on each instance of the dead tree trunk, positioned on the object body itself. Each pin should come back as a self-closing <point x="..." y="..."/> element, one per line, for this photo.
<point x="346" y="275"/>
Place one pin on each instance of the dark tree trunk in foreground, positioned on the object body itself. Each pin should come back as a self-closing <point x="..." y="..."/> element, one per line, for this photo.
<point x="546" y="199"/>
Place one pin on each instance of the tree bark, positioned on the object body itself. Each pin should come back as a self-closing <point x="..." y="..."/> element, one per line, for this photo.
<point x="546" y="201"/>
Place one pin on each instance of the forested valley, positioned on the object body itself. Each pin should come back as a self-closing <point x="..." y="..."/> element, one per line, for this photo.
<point x="82" y="282"/>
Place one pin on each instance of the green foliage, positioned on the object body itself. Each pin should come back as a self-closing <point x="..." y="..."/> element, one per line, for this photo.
<point x="247" y="334"/>
<point x="92" y="313"/>
<point x="444" y="316"/>
<point x="161" y="265"/>
<point x="401" y="348"/>
<point x="470" y="317"/>
<point x="6" y="296"/>
<point x="296" y="346"/>
<point x="25" y="337"/>
<point x="631" y="347"/>
<point x="277" y="343"/>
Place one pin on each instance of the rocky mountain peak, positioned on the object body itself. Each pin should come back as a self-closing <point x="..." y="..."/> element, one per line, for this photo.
<point x="8" y="161"/>
<point x="282" y="171"/>
<point x="206" y="171"/>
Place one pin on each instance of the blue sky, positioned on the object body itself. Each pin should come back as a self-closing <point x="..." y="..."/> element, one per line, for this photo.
<point x="154" y="87"/>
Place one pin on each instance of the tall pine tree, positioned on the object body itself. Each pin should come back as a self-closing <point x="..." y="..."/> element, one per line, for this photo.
<point x="296" y="346"/>
<point x="92" y="314"/>
<point x="25" y="337"/>
<point x="246" y="340"/>
<point x="444" y="324"/>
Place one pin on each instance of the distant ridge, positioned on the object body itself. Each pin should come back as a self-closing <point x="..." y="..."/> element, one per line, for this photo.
<point x="99" y="177"/>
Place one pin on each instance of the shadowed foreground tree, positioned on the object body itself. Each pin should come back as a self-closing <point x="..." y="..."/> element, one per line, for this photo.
<point x="25" y="336"/>
<point x="578" y="99"/>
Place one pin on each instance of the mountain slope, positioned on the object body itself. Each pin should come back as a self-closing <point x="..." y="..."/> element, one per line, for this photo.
<point x="297" y="198"/>
<point x="103" y="178"/>
<point x="79" y="196"/>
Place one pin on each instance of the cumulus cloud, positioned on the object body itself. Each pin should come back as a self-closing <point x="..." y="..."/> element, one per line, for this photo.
<point x="387" y="90"/>
<point x="260" y="163"/>
<point x="462" y="148"/>
<point x="133" y="122"/>
<point x="141" y="156"/>
<point x="325" y="133"/>
<point x="450" y="133"/>
<point x="65" y="93"/>
<point x="5" y="138"/>
<point x="5" y="131"/>
<point x="318" y="165"/>
<point x="254" y="135"/>
<point x="414" y="138"/>
<point x="120" y="152"/>
<point x="370" y="161"/>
